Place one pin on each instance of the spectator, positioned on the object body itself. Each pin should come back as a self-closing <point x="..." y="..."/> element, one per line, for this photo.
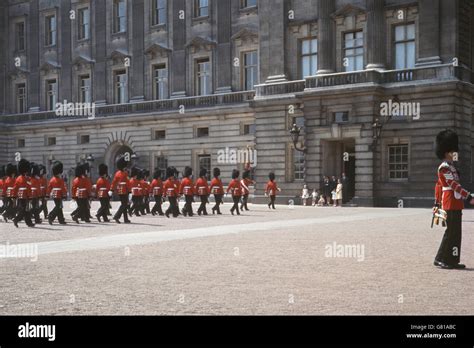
<point x="315" y="196"/>
<point x="345" y="187"/>
<point x="326" y="190"/>
<point x="304" y="195"/>
<point x="339" y="193"/>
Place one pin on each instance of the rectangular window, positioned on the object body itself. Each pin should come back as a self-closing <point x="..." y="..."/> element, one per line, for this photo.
<point x="20" y="36"/>
<point x="84" y="139"/>
<point x="50" y="30"/>
<point x="309" y="57"/>
<point x="248" y="3"/>
<point x="354" y="51"/>
<point x="21" y="98"/>
<point x="85" y="95"/>
<point x="298" y="164"/>
<point x="250" y="69"/>
<point x="51" y="94"/>
<point x="121" y="87"/>
<point x="161" y="162"/>
<point x="405" y="46"/>
<point x="203" y="77"/>
<point x="159" y="134"/>
<point x="204" y="162"/>
<point x="202" y="132"/>
<point x="201" y="8"/>
<point x="160" y="75"/>
<point x="20" y="142"/>
<point x="341" y="117"/>
<point x="120" y="16"/>
<point x="51" y="141"/>
<point x="398" y="162"/>
<point x="84" y="24"/>
<point x="159" y="11"/>
<point x="249" y="129"/>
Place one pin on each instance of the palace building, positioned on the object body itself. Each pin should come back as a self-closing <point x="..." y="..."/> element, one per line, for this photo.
<point x="177" y="82"/>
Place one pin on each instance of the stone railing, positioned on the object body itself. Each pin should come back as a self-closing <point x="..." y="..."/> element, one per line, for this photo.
<point x="138" y="108"/>
<point x="280" y="88"/>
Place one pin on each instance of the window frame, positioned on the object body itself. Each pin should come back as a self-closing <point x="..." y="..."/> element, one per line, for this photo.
<point x="85" y="89"/>
<point x="84" y="29"/>
<point x="244" y="4"/>
<point x="20" y="36"/>
<point x="407" y="163"/>
<point x="118" y="85"/>
<point x="209" y="167"/>
<point x="50" y="33"/>
<point x="245" y="67"/>
<point x="51" y="104"/>
<point x="163" y="161"/>
<point x="404" y="42"/>
<point x="199" y="75"/>
<point x="24" y="101"/>
<point x="202" y="136"/>
<point x="117" y="18"/>
<point x="156" y="10"/>
<point x="198" y="9"/>
<point x="353" y="56"/>
<point x="311" y="54"/>
<point x="157" y="80"/>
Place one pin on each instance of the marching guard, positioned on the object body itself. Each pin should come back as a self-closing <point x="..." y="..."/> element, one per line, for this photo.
<point x="157" y="191"/>
<point x="271" y="190"/>
<point x="22" y="191"/>
<point x="235" y="187"/>
<point x="9" y="193"/>
<point x="81" y="189"/>
<point x="42" y="195"/>
<point x="202" y="190"/>
<point x="217" y="190"/>
<point x="35" y="192"/>
<point x="137" y="192"/>
<point x="170" y="190"/>
<point x="120" y="184"/>
<point x="246" y="182"/>
<point x="187" y="189"/>
<point x="2" y="196"/>
<point x="146" y="192"/>
<point x="57" y="190"/>
<point x="450" y="197"/>
<point x="102" y="189"/>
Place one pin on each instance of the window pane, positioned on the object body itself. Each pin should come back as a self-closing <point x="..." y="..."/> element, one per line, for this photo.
<point x="305" y="46"/>
<point x="410" y="55"/>
<point x="400" y="56"/>
<point x="399" y="33"/>
<point x="411" y="31"/>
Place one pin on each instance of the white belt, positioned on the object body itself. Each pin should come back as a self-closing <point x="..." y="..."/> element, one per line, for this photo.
<point x="447" y="189"/>
<point x="57" y="189"/>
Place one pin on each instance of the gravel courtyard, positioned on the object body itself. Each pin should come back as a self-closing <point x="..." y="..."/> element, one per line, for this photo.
<point x="295" y="260"/>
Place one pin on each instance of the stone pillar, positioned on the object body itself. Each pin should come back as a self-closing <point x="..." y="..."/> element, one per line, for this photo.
<point x="376" y="34"/>
<point x="34" y="42"/>
<point x="100" y="47"/>
<point x="65" y="92"/>
<point x="326" y="37"/>
<point x="3" y="58"/>
<point x="273" y="19"/>
<point x="224" y="47"/>
<point x="429" y="30"/>
<point x="178" y="55"/>
<point x="137" y="79"/>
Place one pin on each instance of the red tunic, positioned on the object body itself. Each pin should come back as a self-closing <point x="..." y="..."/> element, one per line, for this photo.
<point x="43" y="185"/>
<point x="245" y="186"/>
<point x="35" y="187"/>
<point x="81" y="187"/>
<point x="170" y="189"/>
<point x="146" y="187"/>
<point x="102" y="187"/>
<point x="8" y="187"/>
<point x="120" y="184"/>
<point x="453" y="195"/>
<point x="235" y="187"/>
<point x="216" y="186"/>
<point x="1" y="188"/>
<point x="56" y="188"/>
<point x="22" y="187"/>
<point x="156" y="187"/>
<point x="186" y="187"/>
<point x="271" y="189"/>
<point x="202" y="188"/>
<point x="136" y="187"/>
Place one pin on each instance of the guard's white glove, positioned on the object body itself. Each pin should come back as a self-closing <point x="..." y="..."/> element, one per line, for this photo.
<point x="111" y="194"/>
<point x="129" y="196"/>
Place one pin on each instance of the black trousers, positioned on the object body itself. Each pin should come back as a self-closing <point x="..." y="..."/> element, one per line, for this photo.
<point x="272" y="202"/>
<point x="2" y="208"/>
<point x="146" y="204"/>
<point x="104" y="208"/>
<point x="450" y="249"/>
<point x="245" y="199"/>
<point x="35" y="209"/>
<point x="188" y="206"/>
<point x="136" y="206"/>
<point x="9" y="211"/>
<point x="44" y="207"/>
<point x="82" y="212"/>
<point x="218" y="199"/>
<point x="202" y="207"/>
<point x="122" y="209"/>
<point x="235" y="207"/>
<point x="173" y="209"/>
<point x="157" y="206"/>
<point x="23" y="212"/>
<point x="57" y="211"/>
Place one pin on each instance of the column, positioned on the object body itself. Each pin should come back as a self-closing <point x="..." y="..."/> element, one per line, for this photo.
<point x="376" y="34"/>
<point x="100" y="66"/>
<point x="224" y="47"/>
<point x="137" y="73"/>
<point x="33" y="60"/>
<point x="64" y="54"/>
<point x="429" y="29"/>
<point x="178" y="55"/>
<point x="326" y="37"/>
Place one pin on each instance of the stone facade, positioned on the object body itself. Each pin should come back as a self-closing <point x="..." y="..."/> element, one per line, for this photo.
<point x="336" y="104"/>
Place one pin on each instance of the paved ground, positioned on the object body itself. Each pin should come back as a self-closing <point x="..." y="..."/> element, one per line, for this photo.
<point x="265" y="262"/>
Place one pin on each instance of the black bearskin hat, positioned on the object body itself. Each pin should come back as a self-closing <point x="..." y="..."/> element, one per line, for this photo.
<point x="122" y="163"/>
<point x="216" y="172"/>
<point x="42" y="169"/>
<point x="271" y="176"/>
<point x="57" y="168"/>
<point x="175" y="172"/>
<point x="10" y="169"/>
<point x="203" y="172"/>
<point x="187" y="172"/>
<point x="157" y="173"/>
<point x="2" y="171"/>
<point x="35" y="169"/>
<point x="23" y="167"/>
<point x="80" y="170"/>
<point x="103" y="169"/>
<point x="134" y="172"/>
<point x="170" y="172"/>
<point x="446" y="141"/>
<point x="235" y="174"/>
<point x="141" y="174"/>
<point x="146" y="173"/>
<point x="246" y="174"/>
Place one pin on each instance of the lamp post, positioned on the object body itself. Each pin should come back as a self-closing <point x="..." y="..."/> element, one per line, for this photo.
<point x="295" y="133"/>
